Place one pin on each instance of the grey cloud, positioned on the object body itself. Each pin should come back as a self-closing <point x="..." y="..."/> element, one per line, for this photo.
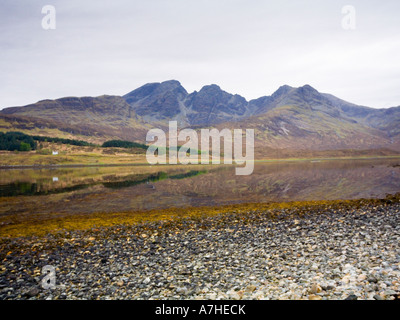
<point x="247" y="47"/>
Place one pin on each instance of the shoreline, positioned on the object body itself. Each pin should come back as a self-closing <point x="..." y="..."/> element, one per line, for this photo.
<point x="315" y="159"/>
<point x="39" y="226"/>
<point x="331" y="251"/>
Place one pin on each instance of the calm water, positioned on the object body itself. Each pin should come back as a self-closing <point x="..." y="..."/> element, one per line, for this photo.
<point x="108" y="189"/>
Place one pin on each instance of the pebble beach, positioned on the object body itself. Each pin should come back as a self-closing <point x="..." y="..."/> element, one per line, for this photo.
<point x="327" y="252"/>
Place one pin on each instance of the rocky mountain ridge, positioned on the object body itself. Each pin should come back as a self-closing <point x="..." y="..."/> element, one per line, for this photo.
<point x="290" y="118"/>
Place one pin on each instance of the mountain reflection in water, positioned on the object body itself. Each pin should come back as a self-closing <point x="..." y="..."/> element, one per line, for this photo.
<point x="149" y="187"/>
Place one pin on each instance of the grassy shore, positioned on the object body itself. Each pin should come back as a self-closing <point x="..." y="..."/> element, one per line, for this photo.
<point x="85" y="156"/>
<point x="69" y="155"/>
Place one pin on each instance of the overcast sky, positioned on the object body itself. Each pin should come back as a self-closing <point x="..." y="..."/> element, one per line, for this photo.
<point x="248" y="47"/>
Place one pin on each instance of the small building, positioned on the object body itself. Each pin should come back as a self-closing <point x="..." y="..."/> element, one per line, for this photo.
<point x="55" y="153"/>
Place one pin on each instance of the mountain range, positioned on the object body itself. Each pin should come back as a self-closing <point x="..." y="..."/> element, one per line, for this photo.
<point x="290" y="119"/>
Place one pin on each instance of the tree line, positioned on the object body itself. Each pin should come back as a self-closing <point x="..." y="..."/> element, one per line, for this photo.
<point x="18" y="141"/>
<point x="123" y="144"/>
<point x="73" y="142"/>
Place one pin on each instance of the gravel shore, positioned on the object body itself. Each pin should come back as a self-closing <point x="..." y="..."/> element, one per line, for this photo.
<point x="327" y="252"/>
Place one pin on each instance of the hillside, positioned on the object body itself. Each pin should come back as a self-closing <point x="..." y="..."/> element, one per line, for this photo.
<point x="93" y="119"/>
<point x="303" y="119"/>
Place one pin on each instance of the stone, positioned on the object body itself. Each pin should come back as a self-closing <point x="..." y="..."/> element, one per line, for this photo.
<point x="315" y="288"/>
<point x="328" y="287"/>
<point x="32" y="292"/>
<point x="362" y="277"/>
<point x="211" y="296"/>
<point x="233" y="295"/>
<point x="250" y="289"/>
<point x="120" y="283"/>
<point x="314" y="297"/>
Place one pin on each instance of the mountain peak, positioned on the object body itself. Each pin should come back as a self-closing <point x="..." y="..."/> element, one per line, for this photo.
<point x="281" y="91"/>
<point x="285" y="87"/>
<point x="174" y="83"/>
<point x="211" y="87"/>
<point x="307" y="88"/>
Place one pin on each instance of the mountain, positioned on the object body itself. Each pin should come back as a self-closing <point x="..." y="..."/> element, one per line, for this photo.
<point x="296" y="118"/>
<point x="290" y="119"/>
<point x="158" y="101"/>
<point x="301" y="121"/>
<point x="212" y="105"/>
<point x="162" y="102"/>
